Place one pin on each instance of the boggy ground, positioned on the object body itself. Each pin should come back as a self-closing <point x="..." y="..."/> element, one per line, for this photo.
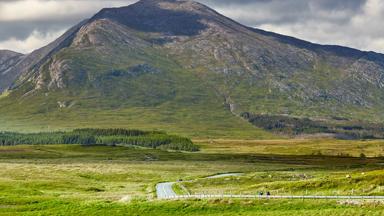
<point x="69" y="179"/>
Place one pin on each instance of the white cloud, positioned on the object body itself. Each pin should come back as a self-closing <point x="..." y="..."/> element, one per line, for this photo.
<point x="35" y="40"/>
<point x="37" y="10"/>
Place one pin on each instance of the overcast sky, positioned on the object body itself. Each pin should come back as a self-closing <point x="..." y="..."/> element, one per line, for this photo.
<point x="26" y="25"/>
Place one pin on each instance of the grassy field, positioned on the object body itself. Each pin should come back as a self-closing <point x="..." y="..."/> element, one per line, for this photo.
<point x="352" y="148"/>
<point x="100" y="180"/>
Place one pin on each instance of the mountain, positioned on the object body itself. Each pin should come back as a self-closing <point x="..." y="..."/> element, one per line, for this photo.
<point x="181" y="66"/>
<point x="8" y="59"/>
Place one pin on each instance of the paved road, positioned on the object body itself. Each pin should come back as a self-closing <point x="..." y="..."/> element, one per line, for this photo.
<point x="165" y="191"/>
<point x="224" y="175"/>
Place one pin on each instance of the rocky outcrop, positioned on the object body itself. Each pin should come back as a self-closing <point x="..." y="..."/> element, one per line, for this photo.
<point x="29" y="65"/>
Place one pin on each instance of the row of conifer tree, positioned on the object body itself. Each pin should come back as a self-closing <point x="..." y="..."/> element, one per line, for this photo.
<point x="149" y="139"/>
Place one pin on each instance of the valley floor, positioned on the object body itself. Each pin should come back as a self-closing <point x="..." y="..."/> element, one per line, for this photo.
<point x="72" y="179"/>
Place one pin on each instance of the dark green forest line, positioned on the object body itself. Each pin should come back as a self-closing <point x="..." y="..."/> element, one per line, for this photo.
<point x="341" y="128"/>
<point x="148" y="139"/>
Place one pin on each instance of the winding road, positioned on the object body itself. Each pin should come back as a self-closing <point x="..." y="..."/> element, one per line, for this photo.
<point x="165" y="191"/>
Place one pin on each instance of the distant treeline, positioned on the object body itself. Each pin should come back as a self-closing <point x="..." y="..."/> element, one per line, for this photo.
<point x="149" y="139"/>
<point x="296" y="126"/>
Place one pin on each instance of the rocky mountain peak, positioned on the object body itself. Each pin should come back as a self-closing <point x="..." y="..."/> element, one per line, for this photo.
<point x="171" y="17"/>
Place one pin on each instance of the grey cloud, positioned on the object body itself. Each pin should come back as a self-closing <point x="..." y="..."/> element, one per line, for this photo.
<point x="21" y="30"/>
<point x="322" y="4"/>
<point x="353" y="5"/>
<point x="289" y="11"/>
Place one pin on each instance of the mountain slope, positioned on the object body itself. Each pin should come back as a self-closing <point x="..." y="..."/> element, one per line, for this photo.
<point x="8" y="59"/>
<point x="180" y="65"/>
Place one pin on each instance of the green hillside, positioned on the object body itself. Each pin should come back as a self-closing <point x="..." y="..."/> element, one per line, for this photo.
<point x="182" y="67"/>
<point x="162" y="96"/>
